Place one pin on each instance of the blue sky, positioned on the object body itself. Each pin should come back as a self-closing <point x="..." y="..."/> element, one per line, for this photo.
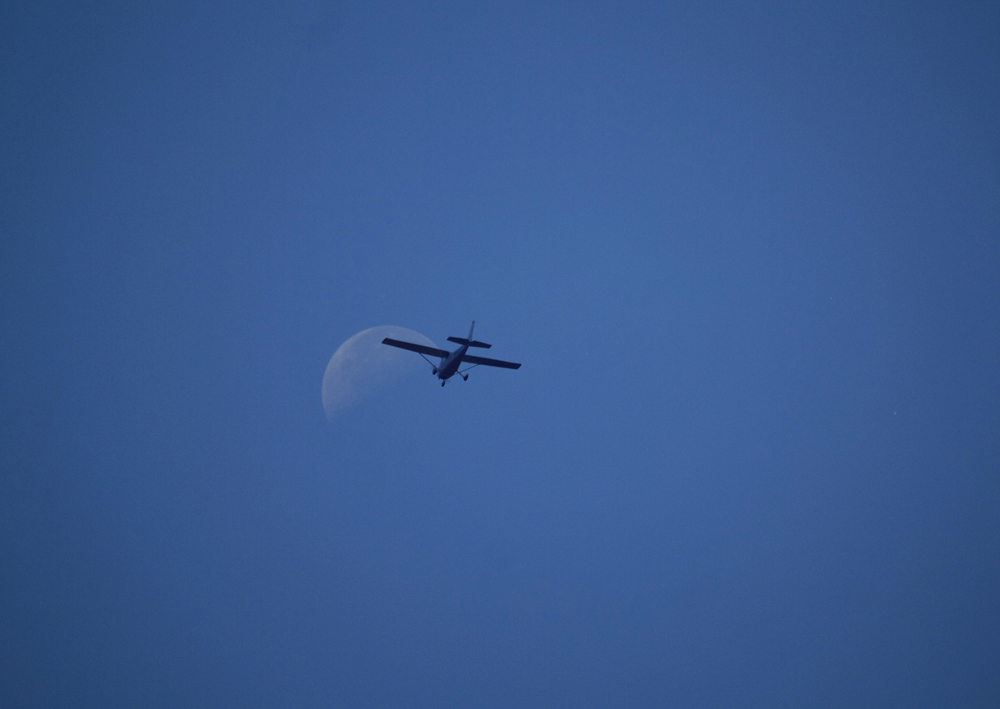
<point x="747" y="253"/>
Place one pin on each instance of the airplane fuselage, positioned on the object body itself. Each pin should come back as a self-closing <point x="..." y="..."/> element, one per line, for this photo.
<point x="450" y="364"/>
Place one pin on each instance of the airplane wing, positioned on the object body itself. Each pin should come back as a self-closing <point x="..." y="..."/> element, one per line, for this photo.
<point x="422" y="349"/>
<point x="472" y="359"/>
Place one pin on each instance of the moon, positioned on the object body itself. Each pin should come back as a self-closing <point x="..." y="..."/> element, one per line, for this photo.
<point x="363" y="366"/>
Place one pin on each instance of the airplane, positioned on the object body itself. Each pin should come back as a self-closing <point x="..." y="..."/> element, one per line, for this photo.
<point x="451" y="361"/>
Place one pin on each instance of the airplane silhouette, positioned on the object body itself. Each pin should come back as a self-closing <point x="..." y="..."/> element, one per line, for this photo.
<point x="451" y="361"/>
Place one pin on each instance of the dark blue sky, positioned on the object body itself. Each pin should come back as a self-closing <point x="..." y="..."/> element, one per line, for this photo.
<point x="748" y="254"/>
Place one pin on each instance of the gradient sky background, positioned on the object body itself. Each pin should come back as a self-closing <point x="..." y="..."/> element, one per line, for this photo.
<point x="749" y="254"/>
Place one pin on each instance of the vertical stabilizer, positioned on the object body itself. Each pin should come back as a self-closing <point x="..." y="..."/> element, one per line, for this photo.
<point x="469" y="342"/>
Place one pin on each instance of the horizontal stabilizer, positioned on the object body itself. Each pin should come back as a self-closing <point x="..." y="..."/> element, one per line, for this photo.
<point x="470" y="343"/>
<point x="490" y="362"/>
<point x="422" y="349"/>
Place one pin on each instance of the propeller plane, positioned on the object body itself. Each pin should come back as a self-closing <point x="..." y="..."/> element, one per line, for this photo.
<point x="450" y="362"/>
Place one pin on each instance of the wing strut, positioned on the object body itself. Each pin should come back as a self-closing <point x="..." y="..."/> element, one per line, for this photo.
<point x="433" y="366"/>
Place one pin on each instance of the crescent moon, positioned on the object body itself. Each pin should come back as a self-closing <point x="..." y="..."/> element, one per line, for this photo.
<point x="363" y="366"/>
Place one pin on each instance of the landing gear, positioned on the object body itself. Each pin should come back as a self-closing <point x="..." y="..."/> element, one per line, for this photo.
<point x="465" y="376"/>
<point x="442" y="382"/>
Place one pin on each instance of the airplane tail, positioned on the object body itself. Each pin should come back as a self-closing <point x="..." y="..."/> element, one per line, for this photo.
<point x="469" y="341"/>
